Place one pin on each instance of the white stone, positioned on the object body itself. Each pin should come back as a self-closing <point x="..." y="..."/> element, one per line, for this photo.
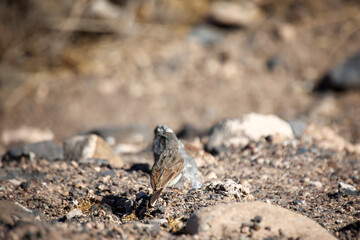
<point x="74" y="213"/>
<point x="347" y="188"/>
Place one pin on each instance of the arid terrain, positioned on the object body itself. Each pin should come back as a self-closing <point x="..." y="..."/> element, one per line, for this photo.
<point x="118" y="68"/>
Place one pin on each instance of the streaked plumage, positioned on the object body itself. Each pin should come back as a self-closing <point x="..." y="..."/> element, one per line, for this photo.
<point x="167" y="169"/>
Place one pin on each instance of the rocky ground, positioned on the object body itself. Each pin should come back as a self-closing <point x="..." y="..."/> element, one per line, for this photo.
<point x="116" y="69"/>
<point x="86" y="197"/>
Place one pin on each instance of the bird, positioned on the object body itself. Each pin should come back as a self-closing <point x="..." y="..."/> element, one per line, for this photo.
<point x="169" y="164"/>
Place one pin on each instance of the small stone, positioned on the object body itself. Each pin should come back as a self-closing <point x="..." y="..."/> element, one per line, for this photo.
<point x="338" y="221"/>
<point x="47" y="149"/>
<point x="234" y="14"/>
<point x="25" y="185"/>
<point x="206" y="35"/>
<point x="273" y="62"/>
<point x="102" y="187"/>
<point x="317" y="184"/>
<point x="256" y="226"/>
<point x="75" y="202"/>
<point x="211" y="176"/>
<point x="74" y="213"/>
<point x="232" y="133"/>
<point x="14" y="182"/>
<point x="12" y="212"/>
<point x="347" y="189"/>
<point x="79" y="148"/>
<point x="257" y="219"/>
<point x="229" y="188"/>
<point x="104" y="9"/>
<point x="100" y="225"/>
<point x="160" y="221"/>
<point x="94" y="161"/>
<point x="285" y="32"/>
<point x="74" y="164"/>
<point x="299" y="202"/>
<point x="327" y="138"/>
<point x="301" y="150"/>
<point x="108" y="173"/>
<point x="298" y="127"/>
<point x="343" y="77"/>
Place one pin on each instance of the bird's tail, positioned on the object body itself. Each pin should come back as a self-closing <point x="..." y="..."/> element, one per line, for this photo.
<point x="155" y="197"/>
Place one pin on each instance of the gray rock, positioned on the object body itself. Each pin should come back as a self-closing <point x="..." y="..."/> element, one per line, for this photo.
<point x="12" y="212"/>
<point x="74" y="213"/>
<point x="347" y="189"/>
<point x="343" y="77"/>
<point x="234" y="13"/>
<point x="229" y="188"/>
<point x="47" y="149"/>
<point x="223" y="220"/>
<point x="80" y="148"/>
<point x="238" y="132"/>
<point x="273" y="63"/>
<point x="298" y="127"/>
<point x="95" y="161"/>
<point x="205" y="34"/>
<point x="20" y="222"/>
<point x="158" y="221"/>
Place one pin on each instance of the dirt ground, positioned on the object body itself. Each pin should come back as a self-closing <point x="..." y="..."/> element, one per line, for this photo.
<point x="70" y="68"/>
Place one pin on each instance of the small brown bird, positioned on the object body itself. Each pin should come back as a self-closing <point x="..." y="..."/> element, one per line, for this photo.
<point x="168" y="166"/>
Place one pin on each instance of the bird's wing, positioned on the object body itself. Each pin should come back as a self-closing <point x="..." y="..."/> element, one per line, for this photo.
<point x="165" y="170"/>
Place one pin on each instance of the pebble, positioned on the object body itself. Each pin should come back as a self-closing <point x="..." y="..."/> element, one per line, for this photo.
<point x="257" y="219"/>
<point x="234" y="14"/>
<point x="206" y="35"/>
<point x="317" y="184"/>
<point x="237" y="132"/>
<point x="46" y="149"/>
<point x="347" y="189"/>
<point x="74" y="213"/>
<point x="343" y="77"/>
<point x="229" y="188"/>
<point x="298" y="127"/>
<point x="74" y="164"/>
<point x="299" y="202"/>
<point x="25" y="185"/>
<point x="79" y="148"/>
<point x="211" y="175"/>
<point x="15" y="182"/>
<point x="160" y="221"/>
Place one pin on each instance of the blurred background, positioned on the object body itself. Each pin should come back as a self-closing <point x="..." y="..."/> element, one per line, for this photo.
<point x="69" y="66"/>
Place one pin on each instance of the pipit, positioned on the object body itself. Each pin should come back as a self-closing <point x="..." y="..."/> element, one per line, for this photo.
<point x="168" y="166"/>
